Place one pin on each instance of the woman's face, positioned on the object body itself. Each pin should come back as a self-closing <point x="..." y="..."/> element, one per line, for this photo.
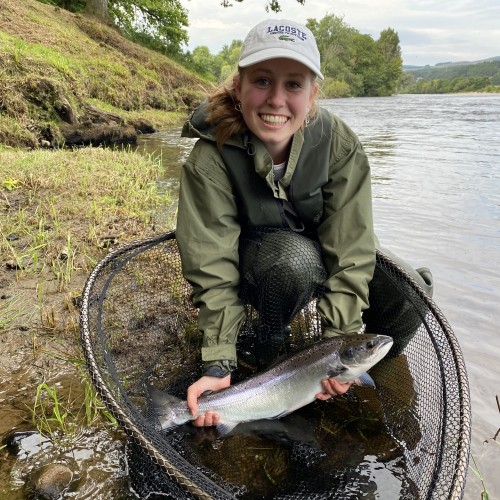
<point x="275" y="97"/>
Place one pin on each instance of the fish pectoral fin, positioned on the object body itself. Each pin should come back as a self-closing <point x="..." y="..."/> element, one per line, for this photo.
<point x="226" y="427"/>
<point x="365" y="380"/>
<point x="283" y="414"/>
<point x="335" y="371"/>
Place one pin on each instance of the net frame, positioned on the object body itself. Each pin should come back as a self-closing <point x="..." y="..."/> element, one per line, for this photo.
<point x="183" y="480"/>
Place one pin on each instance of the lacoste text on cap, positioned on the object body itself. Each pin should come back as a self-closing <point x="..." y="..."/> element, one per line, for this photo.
<point x="275" y="38"/>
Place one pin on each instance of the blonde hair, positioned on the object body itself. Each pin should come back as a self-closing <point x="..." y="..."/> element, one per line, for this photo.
<point x="224" y="115"/>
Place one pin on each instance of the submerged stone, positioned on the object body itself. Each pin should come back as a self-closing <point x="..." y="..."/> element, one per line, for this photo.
<point x="49" y="482"/>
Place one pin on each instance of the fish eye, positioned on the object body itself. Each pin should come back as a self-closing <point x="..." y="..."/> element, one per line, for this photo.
<point x="370" y="344"/>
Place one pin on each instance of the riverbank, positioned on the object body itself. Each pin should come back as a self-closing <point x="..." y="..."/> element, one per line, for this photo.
<point x="62" y="211"/>
<point x="70" y="79"/>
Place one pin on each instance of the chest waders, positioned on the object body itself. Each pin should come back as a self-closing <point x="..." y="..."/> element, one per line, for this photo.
<point x="280" y="269"/>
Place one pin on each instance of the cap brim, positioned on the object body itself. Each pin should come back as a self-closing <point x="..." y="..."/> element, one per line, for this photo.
<point x="277" y="53"/>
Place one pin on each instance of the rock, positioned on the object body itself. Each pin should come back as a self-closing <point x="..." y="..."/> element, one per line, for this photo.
<point x="142" y="125"/>
<point x="49" y="482"/>
<point x="26" y="442"/>
<point x="12" y="265"/>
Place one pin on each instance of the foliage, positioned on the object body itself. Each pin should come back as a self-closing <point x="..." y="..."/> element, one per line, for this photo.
<point x="367" y="66"/>
<point x="475" y="84"/>
<point x="474" y="77"/>
<point x="215" y="68"/>
<point x="270" y="5"/>
<point x="489" y="69"/>
<point x="163" y="20"/>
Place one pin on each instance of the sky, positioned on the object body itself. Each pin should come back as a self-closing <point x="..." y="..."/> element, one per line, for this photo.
<point x="430" y="31"/>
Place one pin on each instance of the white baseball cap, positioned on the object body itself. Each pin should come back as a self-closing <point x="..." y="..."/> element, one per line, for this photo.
<point x="275" y="38"/>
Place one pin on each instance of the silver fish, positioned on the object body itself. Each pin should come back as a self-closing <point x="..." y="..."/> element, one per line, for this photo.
<point x="283" y="388"/>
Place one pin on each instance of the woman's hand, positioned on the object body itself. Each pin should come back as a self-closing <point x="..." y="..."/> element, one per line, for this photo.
<point x="332" y="387"/>
<point x="195" y="390"/>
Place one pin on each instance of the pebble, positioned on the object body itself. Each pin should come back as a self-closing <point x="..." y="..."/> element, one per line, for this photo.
<point x="12" y="265"/>
<point x="49" y="482"/>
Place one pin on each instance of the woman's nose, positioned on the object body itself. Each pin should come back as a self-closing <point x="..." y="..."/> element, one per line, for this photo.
<point x="276" y="96"/>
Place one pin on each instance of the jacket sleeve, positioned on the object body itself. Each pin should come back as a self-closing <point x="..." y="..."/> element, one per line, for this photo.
<point x="207" y="235"/>
<point x="346" y="235"/>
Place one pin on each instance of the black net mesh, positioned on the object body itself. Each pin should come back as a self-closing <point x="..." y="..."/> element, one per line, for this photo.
<point x="408" y="438"/>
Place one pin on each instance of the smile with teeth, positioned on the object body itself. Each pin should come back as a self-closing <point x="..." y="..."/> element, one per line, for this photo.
<point x="274" y="119"/>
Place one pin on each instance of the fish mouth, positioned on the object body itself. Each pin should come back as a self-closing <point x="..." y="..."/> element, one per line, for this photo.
<point x="368" y="350"/>
<point x="380" y="345"/>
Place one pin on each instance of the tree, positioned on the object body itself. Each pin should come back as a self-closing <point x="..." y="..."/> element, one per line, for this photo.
<point x="367" y="63"/>
<point x="392" y="62"/>
<point x="334" y="40"/>
<point x="205" y="63"/>
<point x="367" y="66"/>
<point x="272" y="5"/>
<point x="162" y="20"/>
<point x="97" y="8"/>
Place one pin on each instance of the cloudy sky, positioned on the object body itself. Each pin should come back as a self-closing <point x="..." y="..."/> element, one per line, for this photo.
<point x="430" y="31"/>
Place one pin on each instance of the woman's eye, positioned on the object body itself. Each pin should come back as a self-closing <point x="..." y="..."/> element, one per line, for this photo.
<point x="262" y="82"/>
<point x="294" y="85"/>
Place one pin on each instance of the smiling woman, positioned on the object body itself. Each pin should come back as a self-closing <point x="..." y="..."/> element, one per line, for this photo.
<point x="274" y="209"/>
<point x="275" y="98"/>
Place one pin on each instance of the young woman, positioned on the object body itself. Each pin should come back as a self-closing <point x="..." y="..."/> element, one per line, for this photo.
<point x="271" y="177"/>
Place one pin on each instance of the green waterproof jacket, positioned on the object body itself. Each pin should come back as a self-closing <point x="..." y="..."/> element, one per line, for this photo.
<point x="333" y="191"/>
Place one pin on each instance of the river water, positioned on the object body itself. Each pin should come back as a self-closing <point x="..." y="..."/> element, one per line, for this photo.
<point x="436" y="193"/>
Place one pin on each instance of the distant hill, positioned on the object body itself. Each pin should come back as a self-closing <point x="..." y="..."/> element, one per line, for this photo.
<point x="408" y="67"/>
<point x="485" y="72"/>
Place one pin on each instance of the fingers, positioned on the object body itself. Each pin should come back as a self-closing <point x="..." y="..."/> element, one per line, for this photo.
<point x="206" y="420"/>
<point x="192" y="399"/>
<point x="198" y="388"/>
<point x="332" y="387"/>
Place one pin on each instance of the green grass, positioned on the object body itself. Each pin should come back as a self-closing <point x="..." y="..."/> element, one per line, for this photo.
<point x="61" y="416"/>
<point x="62" y="210"/>
<point x="50" y="58"/>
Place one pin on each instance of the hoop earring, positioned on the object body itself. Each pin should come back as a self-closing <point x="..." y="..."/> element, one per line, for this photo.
<point x="237" y="106"/>
<point x="308" y="118"/>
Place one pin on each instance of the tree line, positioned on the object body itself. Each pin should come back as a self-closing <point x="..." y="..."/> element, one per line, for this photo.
<point x="354" y="64"/>
<point x="444" y="79"/>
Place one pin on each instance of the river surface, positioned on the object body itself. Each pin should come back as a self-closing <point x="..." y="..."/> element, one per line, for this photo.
<point x="436" y="193"/>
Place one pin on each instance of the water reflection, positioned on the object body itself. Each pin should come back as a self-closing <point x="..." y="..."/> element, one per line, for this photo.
<point x="170" y="147"/>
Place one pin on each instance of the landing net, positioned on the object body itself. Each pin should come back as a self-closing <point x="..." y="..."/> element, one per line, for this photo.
<point x="407" y="439"/>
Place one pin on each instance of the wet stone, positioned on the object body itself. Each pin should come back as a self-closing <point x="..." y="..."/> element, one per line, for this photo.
<point x="26" y="442"/>
<point x="49" y="482"/>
